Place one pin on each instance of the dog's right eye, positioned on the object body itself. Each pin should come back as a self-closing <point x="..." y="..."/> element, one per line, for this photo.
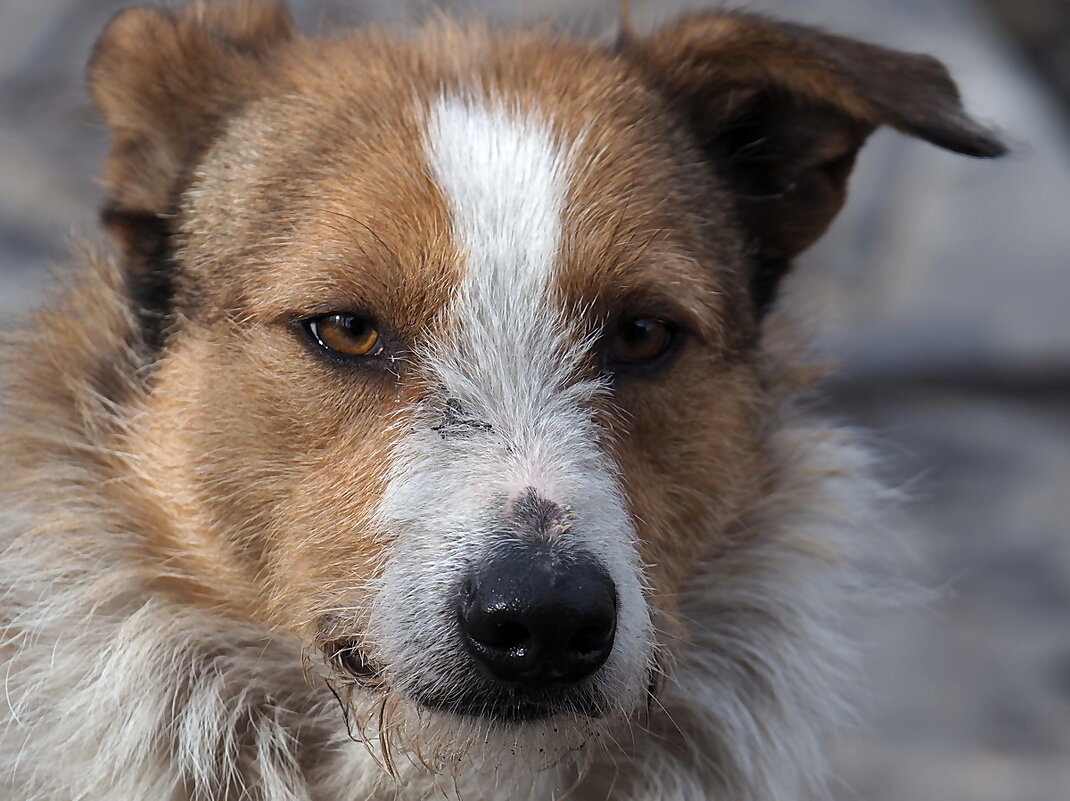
<point x="345" y="334"/>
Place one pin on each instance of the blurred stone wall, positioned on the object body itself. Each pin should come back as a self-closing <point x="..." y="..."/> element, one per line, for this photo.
<point x="943" y="291"/>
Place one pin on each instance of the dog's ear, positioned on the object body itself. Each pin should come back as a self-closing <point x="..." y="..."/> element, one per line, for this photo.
<point x="783" y="109"/>
<point x="165" y="81"/>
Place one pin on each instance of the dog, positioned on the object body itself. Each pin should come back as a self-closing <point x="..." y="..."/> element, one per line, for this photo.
<point x="431" y="426"/>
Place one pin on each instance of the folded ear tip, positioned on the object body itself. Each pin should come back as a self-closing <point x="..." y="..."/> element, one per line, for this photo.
<point x="986" y="147"/>
<point x="131" y="26"/>
<point x="254" y="22"/>
<point x="124" y="51"/>
<point x="961" y="134"/>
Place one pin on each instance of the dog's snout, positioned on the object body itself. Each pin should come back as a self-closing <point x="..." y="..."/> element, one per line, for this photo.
<point x="536" y="615"/>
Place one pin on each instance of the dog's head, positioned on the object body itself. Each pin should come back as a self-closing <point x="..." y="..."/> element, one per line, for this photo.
<point x="453" y="340"/>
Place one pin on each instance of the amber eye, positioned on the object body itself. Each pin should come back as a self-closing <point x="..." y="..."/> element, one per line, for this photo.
<point x="641" y="342"/>
<point x="346" y="334"/>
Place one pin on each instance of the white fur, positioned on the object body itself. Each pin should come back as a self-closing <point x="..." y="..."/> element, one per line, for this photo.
<point x="524" y="419"/>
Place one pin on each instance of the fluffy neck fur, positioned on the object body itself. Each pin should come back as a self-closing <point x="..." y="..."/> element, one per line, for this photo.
<point x="117" y="688"/>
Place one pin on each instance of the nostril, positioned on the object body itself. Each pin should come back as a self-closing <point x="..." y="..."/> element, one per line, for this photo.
<point x="488" y="624"/>
<point x="511" y="635"/>
<point x="590" y="641"/>
<point x="506" y="635"/>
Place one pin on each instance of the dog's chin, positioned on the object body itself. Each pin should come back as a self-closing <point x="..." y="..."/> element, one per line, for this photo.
<point x="515" y="706"/>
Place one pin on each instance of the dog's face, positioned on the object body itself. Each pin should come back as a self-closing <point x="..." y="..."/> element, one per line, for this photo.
<point x="456" y="367"/>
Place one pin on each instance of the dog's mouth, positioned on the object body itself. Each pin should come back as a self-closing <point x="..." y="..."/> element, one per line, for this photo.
<point x="508" y="704"/>
<point x="502" y="703"/>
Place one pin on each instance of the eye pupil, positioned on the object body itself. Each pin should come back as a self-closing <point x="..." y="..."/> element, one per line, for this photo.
<point x="636" y="331"/>
<point x="350" y="323"/>
<point x="346" y="334"/>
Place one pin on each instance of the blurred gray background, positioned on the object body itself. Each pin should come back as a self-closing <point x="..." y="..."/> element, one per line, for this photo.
<point x="943" y="292"/>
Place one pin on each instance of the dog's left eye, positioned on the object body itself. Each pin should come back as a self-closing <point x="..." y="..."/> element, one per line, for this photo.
<point x="641" y="342"/>
<point x="346" y="334"/>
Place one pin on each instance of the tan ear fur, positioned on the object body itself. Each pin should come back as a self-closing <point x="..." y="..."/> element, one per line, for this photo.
<point x="164" y="80"/>
<point x="783" y="110"/>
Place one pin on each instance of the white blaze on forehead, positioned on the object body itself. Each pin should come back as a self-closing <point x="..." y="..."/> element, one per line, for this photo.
<point x="505" y="181"/>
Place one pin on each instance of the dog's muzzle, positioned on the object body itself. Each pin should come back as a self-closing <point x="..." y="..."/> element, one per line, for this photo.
<point x="536" y="622"/>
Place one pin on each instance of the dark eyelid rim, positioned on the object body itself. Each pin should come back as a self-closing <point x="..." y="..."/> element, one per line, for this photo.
<point x="327" y="308"/>
<point x="386" y="360"/>
<point x="656" y="306"/>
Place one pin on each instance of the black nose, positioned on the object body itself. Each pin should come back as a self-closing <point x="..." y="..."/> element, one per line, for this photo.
<point x="537" y="615"/>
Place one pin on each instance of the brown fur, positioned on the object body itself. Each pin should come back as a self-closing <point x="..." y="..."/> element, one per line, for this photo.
<point x="258" y="178"/>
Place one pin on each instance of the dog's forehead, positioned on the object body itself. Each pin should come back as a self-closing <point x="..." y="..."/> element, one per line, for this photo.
<point x="532" y="159"/>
